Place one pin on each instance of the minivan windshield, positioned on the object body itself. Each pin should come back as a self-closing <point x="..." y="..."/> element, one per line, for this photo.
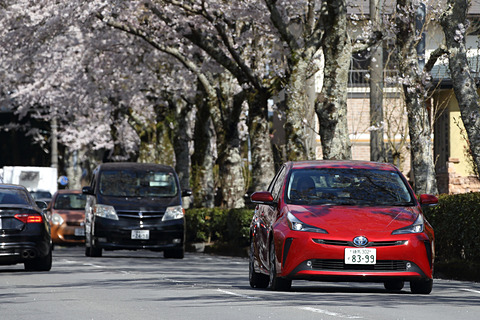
<point x="133" y="183"/>
<point x="341" y="186"/>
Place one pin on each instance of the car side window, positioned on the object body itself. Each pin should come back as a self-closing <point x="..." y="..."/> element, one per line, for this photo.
<point x="276" y="186"/>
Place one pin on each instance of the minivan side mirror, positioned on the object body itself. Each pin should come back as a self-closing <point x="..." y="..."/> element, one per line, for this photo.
<point x="87" y="190"/>
<point x="186" y="192"/>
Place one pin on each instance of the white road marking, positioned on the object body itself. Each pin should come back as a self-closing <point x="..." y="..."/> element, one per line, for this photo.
<point x="237" y="294"/>
<point x="471" y="290"/>
<point x="330" y="313"/>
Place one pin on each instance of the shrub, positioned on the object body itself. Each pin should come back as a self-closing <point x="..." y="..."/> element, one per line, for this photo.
<point x="456" y="221"/>
<point x="218" y="225"/>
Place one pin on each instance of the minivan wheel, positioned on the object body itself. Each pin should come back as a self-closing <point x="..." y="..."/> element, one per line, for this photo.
<point x="174" y="253"/>
<point x="92" y="250"/>
<point x="277" y="283"/>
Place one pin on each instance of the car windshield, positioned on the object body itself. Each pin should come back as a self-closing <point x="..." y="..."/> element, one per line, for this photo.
<point x="131" y="183"/>
<point x="11" y="196"/>
<point x="72" y="201"/>
<point x="41" y="195"/>
<point x="347" y="187"/>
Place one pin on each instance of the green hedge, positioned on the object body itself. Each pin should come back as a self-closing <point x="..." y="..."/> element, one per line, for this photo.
<point x="225" y="226"/>
<point x="456" y="221"/>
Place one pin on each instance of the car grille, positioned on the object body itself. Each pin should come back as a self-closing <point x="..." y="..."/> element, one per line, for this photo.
<point x="140" y="214"/>
<point x="370" y="244"/>
<point x="381" y="265"/>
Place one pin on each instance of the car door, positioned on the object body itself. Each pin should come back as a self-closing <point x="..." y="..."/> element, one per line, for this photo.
<point x="267" y="215"/>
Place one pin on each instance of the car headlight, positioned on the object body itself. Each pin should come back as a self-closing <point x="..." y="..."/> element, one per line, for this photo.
<point x="417" y="227"/>
<point x="295" y="224"/>
<point x="57" y="219"/>
<point x="103" y="211"/>
<point x="173" y="213"/>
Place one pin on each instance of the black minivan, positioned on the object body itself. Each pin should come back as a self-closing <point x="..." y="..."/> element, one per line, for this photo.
<point x="134" y="206"/>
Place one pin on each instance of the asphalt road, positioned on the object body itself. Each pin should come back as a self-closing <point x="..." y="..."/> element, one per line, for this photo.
<point x="144" y="285"/>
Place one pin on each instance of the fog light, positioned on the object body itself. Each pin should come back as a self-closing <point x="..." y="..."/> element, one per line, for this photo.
<point x="309" y="263"/>
<point x="409" y="265"/>
<point x="176" y="241"/>
<point x="102" y="239"/>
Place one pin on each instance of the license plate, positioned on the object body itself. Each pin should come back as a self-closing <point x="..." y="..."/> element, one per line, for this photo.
<point x="79" y="232"/>
<point x="360" y="256"/>
<point x="141" y="234"/>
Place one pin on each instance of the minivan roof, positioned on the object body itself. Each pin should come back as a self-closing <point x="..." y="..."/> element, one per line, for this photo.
<point x="135" y="166"/>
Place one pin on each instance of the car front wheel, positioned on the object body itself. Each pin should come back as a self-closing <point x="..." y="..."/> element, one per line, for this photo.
<point x="277" y="283"/>
<point x="257" y="280"/>
<point x="421" y="286"/>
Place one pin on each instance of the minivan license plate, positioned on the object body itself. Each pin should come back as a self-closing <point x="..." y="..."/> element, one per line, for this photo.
<point x="360" y="256"/>
<point x="141" y="234"/>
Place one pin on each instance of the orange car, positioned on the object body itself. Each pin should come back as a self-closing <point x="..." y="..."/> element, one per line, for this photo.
<point x="67" y="214"/>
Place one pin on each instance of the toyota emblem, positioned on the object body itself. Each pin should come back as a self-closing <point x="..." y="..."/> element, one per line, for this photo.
<point x="360" y="241"/>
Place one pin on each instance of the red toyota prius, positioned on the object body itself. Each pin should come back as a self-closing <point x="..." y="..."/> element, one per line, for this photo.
<point x="341" y="221"/>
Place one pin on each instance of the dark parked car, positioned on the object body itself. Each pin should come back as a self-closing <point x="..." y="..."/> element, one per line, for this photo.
<point x="67" y="217"/>
<point x="341" y="221"/>
<point x="24" y="230"/>
<point x="134" y="206"/>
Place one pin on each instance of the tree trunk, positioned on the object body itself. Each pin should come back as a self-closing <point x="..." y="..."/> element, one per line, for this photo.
<point x="203" y="183"/>
<point x="263" y="168"/>
<point x="181" y="140"/>
<point x="415" y="93"/>
<point x="331" y="104"/>
<point x="298" y="111"/>
<point x="230" y="164"/>
<point x="454" y="22"/>
<point x="377" y="148"/>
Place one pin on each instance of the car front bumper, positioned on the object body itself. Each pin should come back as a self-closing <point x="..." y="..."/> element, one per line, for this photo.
<point x="315" y="257"/>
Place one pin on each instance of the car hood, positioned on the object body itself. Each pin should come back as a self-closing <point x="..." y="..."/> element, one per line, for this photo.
<point x="355" y="219"/>
<point x="140" y="203"/>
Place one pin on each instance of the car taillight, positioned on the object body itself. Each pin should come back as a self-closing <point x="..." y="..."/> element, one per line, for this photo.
<point x="29" y="218"/>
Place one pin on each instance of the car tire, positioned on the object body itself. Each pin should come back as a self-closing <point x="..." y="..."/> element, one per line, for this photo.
<point x="40" y="264"/>
<point x="174" y="253"/>
<point x="257" y="280"/>
<point x="276" y="283"/>
<point x="421" y="286"/>
<point x="394" y="285"/>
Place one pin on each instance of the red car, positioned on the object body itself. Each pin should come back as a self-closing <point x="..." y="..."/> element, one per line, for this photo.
<point x="341" y="221"/>
<point x="67" y="215"/>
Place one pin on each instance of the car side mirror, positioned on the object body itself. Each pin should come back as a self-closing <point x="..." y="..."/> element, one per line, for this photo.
<point x="42" y="204"/>
<point x="87" y="190"/>
<point x="428" y="199"/>
<point x="186" y="192"/>
<point x="262" y="197"/>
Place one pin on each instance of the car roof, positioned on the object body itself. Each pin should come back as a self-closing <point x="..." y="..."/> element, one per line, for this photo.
<point x="134" y="166"/>
<point x="13" y="186"/>
<point x="343" y="164"/>
<point x="68" y="191"/>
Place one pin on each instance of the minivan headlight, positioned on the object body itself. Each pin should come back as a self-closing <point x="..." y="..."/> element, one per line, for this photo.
<point x="103" y="211"/>
<point x="417" y="227"/>
<point x="295" y="224"/>
<point x="173" y="213"/>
